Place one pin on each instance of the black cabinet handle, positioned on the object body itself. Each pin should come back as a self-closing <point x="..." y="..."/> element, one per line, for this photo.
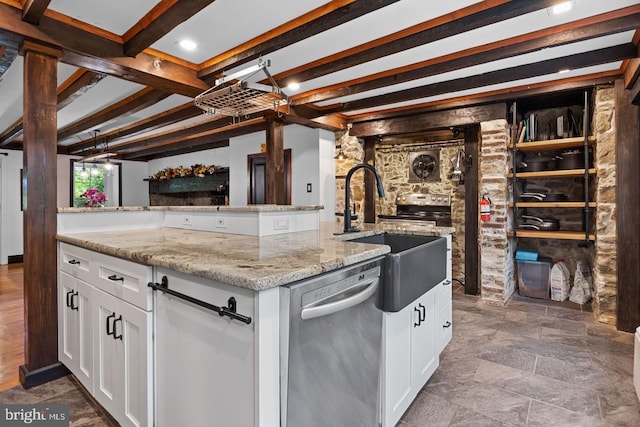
<point x="73" y="307"/>
<point x="69" y="298"/>
<point x="116" y="278"/>
<point x="446" y="282"/>
<point x="109" y="317"/>
<point x="419" y="317"/>
<point x="115" y="336"/>
<point x="447" y="325"/>
<point x="73" y="261"/>
<point x="423" y="312"/>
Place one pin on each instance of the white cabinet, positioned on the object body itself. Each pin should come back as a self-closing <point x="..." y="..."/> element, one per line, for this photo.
<point x="205" y="363"/>
<point x="104" y="330"/>
<point x="123" y="360"/>
<point x="412" y="340"/>
<point x="409" y="355"/>
<point x="75" y="334"/>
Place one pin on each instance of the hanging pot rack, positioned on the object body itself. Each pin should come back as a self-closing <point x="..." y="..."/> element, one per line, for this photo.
<point x="235" y="96"/>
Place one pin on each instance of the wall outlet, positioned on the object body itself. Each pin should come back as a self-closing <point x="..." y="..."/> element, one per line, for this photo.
<point x="281" y="224"/>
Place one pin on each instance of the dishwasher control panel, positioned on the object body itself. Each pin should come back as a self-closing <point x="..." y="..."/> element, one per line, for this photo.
<point x="339" y="286"/>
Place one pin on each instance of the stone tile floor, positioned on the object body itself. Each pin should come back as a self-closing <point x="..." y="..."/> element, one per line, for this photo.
<point x="531" y="363"/>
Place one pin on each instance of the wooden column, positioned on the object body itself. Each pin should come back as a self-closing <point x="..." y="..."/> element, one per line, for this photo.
<point x="275" y="193"/>
<point x="370" y="186"/>
<point x="39" y="165"/>
<point x="628" y="206"/>
<point x="471" y="257"/>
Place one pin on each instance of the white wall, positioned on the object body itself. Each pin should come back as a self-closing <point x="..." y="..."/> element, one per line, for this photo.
<point x="11" y="222"/>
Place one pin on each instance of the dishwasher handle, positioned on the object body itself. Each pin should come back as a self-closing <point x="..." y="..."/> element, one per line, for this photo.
<point x="334" y="307"/>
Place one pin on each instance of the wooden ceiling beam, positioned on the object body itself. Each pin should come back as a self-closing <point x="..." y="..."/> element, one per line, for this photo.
<point x="160" y="20"/>
<point x="86" y="49"/>
<point x="551" y="66"/>
<point x="136" y="102"/>
<point x="198" y="139"/>
<point x="464" y="20"/>
<point x="76" y="85"/>
<point x="32" y="10"/>
<point x="321" y="19"/>
<point x="174" y="115"/>
<point x="598" y="26"/>
<point x="185" y="150"/>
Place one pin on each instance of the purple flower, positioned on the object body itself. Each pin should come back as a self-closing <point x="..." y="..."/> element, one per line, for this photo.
<point x="93" y="197"/>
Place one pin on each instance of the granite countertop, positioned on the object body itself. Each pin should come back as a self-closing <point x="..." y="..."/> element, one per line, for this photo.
<point x="214" y="208"/>
<point x="252" y="262"/>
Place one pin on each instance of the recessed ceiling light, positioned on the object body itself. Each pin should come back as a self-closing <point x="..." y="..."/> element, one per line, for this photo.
<point x="562" y="7"/>
<point x="564" y="70"/>
<point x="293" y="86"/>
<point x="187" y="44"/>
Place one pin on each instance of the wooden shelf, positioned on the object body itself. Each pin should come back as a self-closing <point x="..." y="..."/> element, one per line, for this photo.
<point x="559" y="235"/>
<point x="552" y="144"/>
<point x="552" y="204"/>
<point x="565" y="173"/>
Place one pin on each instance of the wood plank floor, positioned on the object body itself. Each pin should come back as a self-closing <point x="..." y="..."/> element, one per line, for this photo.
<point x="11" y="324"/>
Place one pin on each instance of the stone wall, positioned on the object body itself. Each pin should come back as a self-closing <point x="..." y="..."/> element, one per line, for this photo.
<point x="393" y="165"/>
<point x="604" y="263"/>
<point x="497" y="282"/>
<point x="353" y="152"/>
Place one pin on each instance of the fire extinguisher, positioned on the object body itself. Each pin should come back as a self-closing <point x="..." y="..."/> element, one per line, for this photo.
<point x="485" y="208"/>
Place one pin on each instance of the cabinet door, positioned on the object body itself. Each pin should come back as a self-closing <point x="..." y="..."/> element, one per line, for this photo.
<point x="67" y="323"/>
<point x="397" y="393"/>
<point x="107" y="358"/>
<point x="83" y="308"/>
<point x="444" y="325"/>
<point x="424" y="359"/>
<point x="133" y="335"/>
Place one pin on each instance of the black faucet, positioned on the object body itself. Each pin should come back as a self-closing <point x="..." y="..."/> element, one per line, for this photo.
<point x="347" y="209"/>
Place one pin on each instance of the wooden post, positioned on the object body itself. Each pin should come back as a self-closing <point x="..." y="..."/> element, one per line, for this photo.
<point x="275" y="193"/>
<point x="471" y="255"/>
<point x="370" y="186"/>
<point x="628" y="205"/>
<point x="40" y="260"/>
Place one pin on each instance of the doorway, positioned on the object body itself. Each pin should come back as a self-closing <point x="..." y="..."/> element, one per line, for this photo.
<point x="257" y="170"/>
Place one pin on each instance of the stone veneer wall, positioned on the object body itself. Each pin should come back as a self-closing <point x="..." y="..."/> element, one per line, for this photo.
<point x="497" y="282"/>
<point x="353" y="151"/>
<point x="604" y="263"/>
<point x="393" y="164"/>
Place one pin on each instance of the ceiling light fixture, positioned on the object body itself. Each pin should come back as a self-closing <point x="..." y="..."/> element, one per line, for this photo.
<point x="562" y="7"/>
<point x="340" y="155"/>
<point x="293" y="86"/>
<point x="564" y="70"/>
<point x="187" y="44"/>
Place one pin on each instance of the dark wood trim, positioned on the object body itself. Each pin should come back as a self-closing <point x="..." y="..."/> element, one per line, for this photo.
<point x="315" y="22"/>
<point x="32" y="10"/>
<point x="131" y="104"/>
<point x="471" y="200"/>
<point x="287" y="174"/>
<point x="370" y="188"/>
<point x="275" y="162"/>
<point x="158" y="22"/>
<point x="628" y="205"/>
<point x="34" y="377"/>
<point x="40" y="167"/>
<point x="427" y="121"/>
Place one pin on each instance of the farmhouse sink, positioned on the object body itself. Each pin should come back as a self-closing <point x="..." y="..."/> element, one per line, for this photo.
<point x="414" y="266"/>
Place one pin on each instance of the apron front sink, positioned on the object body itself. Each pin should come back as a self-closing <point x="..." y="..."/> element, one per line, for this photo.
<point x="414" y="266"/>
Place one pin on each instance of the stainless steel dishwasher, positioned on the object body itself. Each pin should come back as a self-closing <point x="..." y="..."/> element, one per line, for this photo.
<point x="331" y="331"/>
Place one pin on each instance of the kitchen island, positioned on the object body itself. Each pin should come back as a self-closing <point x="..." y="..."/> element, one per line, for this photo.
<point x="108" y="326"/>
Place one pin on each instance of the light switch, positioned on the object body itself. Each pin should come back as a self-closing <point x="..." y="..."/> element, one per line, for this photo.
<point x="308" y="187"/>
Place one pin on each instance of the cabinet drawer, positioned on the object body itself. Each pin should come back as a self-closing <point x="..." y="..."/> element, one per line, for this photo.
<point x="76" y="262"/>
<point x="124" y="279"/>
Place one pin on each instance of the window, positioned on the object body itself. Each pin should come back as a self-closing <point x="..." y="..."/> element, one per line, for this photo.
<point x="100" y="176"/>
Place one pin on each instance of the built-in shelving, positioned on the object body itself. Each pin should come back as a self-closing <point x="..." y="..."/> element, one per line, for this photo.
<point x="552" y="144"/>
<point x="560" y="235"/>
<point x="564" y="205"/>
<point x="563" y="173"/>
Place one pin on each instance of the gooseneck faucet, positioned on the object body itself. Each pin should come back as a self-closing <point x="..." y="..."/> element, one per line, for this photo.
<point x="347" y="208"/>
